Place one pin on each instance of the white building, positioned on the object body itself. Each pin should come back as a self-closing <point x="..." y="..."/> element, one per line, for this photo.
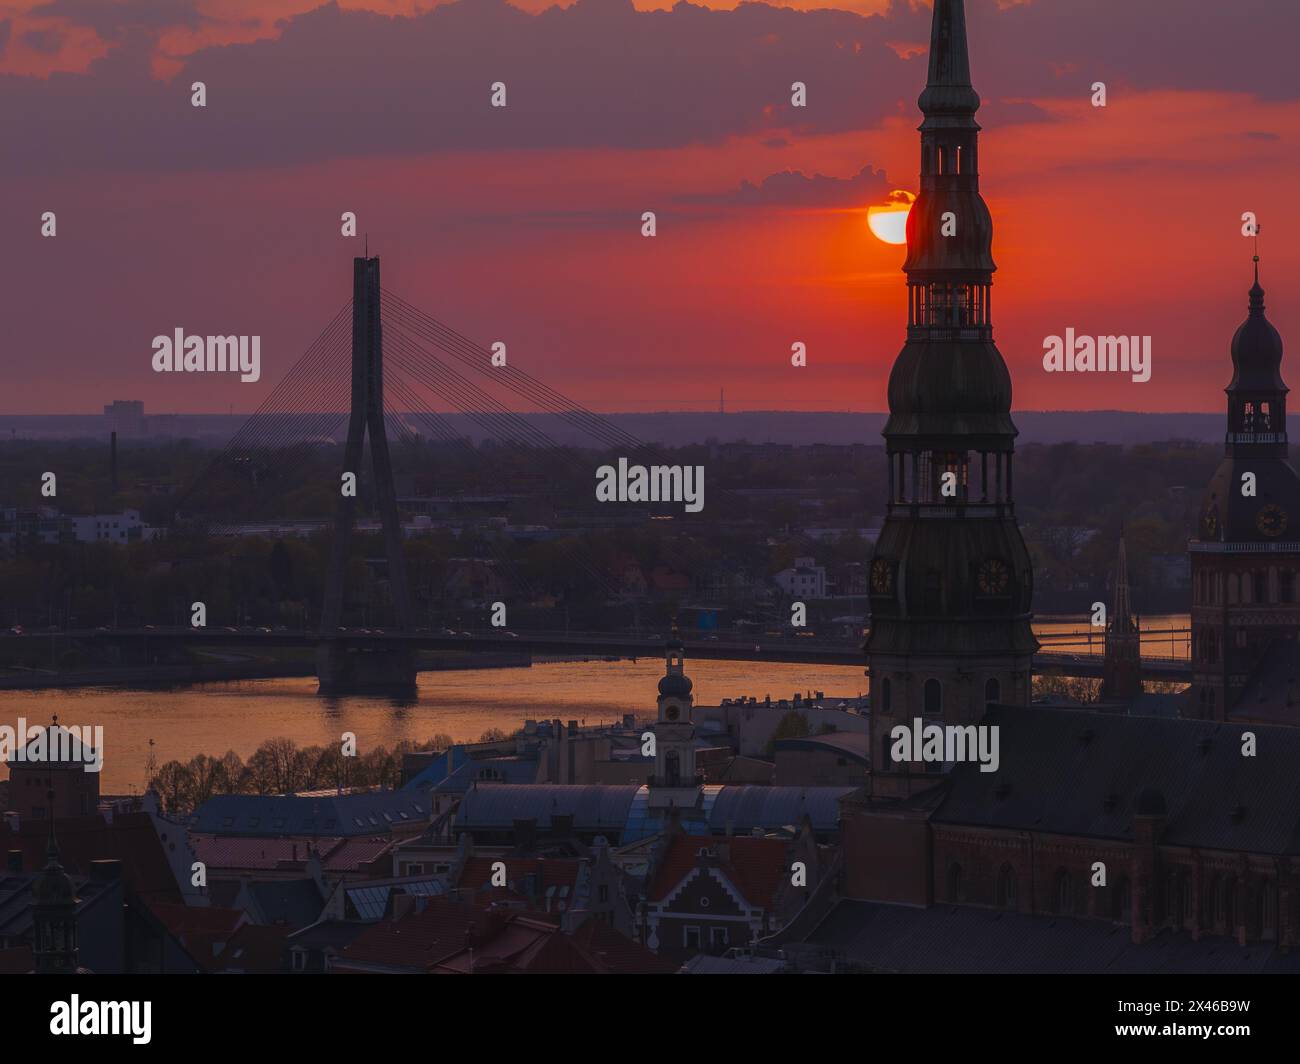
<point x="807" y="580"/>
<point x="124" y="527"/>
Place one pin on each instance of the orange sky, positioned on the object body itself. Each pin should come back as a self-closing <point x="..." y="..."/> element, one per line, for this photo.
<point x="1117" y="220"/>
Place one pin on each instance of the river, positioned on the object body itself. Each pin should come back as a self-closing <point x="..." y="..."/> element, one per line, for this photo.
<point x="214" y="718"/>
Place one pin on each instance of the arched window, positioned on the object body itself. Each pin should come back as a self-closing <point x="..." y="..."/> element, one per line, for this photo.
<point x="1286" y="586"/>
<point x="1006" y="887"/>
<point x="1261" y="588"/>
<point x="992" y="690"/>
<point x="1123" y="900"/>
<point x="886" y="695"/>
<point x="1268" y="910"/>
<point x="954" y="882"/>
<point x="672" y="769"/>
<point x="933" y="698"/>
<point x="1064" y="893"/>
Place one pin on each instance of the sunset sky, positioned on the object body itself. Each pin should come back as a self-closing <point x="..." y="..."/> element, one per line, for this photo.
<point x="523" y="224"/>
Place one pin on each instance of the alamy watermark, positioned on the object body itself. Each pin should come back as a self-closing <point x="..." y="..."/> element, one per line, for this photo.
<point x="179" y="353"/>
<point x="638" y="483"/>
<point x="102" y="1017"/>
<point x="41" y="743"/>
<point x="1098" y="354"/>
<point x="949" y="743"/>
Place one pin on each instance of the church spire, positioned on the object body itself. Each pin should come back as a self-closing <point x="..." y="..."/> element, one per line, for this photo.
<point x="1121" y="617"/>
<point x="948" y="88"/>
<point x="54" y="910"/>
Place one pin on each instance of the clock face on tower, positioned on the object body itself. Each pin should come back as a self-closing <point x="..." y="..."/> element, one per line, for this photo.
<point x="1271" y="520"/>
<point x="672" y="712"/>
<point x="882" y="577"/>
<point x="993" y="577"/>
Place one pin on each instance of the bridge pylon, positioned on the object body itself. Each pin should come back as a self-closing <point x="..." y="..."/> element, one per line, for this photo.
<point x="340" y="667"/>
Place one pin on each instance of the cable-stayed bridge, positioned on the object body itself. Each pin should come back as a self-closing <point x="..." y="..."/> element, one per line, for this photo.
<point x="384" y="374"/>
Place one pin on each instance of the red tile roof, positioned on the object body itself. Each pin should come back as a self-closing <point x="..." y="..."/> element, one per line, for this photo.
<point x="254" y="948"/>
<point x="755" y="867"/>
<point x="616" y="953"/>
<point x="202" y="929"/>
<point x="419" y="940"/>
<point x="358" y="854"/>
<point x="130" y="838"/>
<point x="449" y="937"/>
<point x="551" y="872"/>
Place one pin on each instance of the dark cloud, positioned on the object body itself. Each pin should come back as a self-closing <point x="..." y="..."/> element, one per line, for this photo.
<point x="110" y="18"/>
<point x="47" y="42"/>
<point x="791" y="188"/>
<point x="599" y="74"/>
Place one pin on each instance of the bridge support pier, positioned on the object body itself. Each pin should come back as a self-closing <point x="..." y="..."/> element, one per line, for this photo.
<point x="345" y="669"/>
<point x="350" y="669"/>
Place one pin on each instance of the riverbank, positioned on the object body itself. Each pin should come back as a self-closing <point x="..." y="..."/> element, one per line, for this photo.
<point x="149" y="677"/>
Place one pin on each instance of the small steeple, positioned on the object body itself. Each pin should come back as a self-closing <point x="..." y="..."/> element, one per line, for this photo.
<point x="1121" y="617"/>
<point x="1257" y="361"/>
<point x="54" y="910"/>
<point x="675" y="683"/>
<point x="1122" y="664"/>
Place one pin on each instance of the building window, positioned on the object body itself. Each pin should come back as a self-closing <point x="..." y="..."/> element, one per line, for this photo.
<point x="1007" y="887"/>
<point x="299" y="960"/>
<point x="992" y="691"/>
<point x="672" y="769"/>
<point x="1261" y="590"/>
<point x="933" y="597"/>
<point x="1123" y="900"/>
<point x="717" y="936"/>
<point x="933" y="698"/>
<point x="691" y="937"/>
<point x="603" y="893"/>
<point x="1286" y="586"/>
<point x="1268" y="910"/>
<point x="1064" y="893"/>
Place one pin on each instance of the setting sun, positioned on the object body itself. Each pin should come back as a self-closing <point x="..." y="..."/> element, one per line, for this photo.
<point x="888" y="221"/>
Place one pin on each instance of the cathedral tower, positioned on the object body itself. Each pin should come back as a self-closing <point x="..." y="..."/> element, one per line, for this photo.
<point x="1247" y="548"/>
<point x="951" y="581"/>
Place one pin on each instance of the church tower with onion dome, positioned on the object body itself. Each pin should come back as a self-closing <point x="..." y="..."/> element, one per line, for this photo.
<point x="1246" y="553"/>
<point x="674" y="727"/>
<point x="950" y="580"/>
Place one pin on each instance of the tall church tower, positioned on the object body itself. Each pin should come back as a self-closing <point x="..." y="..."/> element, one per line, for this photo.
<point x="951" y="580"/>
<point x="1122" y="665"/>
<point x="1247" y="549"/>
<point x="674" y="781"/>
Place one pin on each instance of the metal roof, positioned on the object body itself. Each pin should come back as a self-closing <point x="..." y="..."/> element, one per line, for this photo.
<point x="1079" y="773"/>
<point x="363" y="813"/>
<point x="499" y="805"/>
<point x="961" y="939"/>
